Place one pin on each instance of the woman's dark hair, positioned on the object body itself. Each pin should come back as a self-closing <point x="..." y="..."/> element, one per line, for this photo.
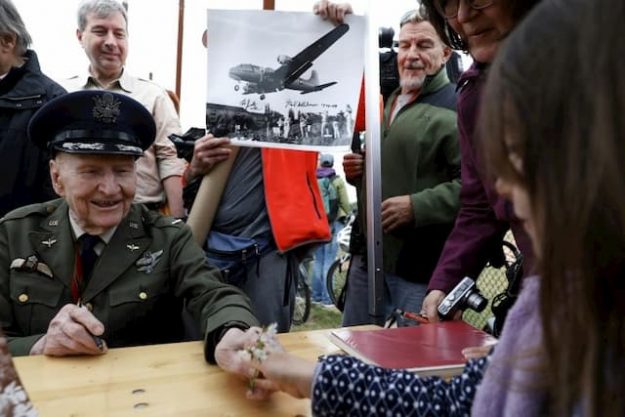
<point x="556" y="93"/>
<point x="11" y="23"/>
<point x="517" y="9"/>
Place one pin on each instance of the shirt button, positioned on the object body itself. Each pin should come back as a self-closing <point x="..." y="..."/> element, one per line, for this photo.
<point x="143" y="295"/>
<point x="89" y="306"/>
<point x="23" y="298"/>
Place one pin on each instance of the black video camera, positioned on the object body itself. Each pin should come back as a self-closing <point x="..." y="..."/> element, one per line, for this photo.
<point x="389" y="76"/>
<point x="186" y="142"/>
<point x="464" y="295"/>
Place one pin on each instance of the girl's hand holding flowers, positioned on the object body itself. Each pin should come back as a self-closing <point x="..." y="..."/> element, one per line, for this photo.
<point x="273" y="369"/>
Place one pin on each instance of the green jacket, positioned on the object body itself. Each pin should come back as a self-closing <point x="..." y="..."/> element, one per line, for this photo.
<point x="345" y="208"/>
<point x="141" y="279"/>
<point x="420" y="157"/>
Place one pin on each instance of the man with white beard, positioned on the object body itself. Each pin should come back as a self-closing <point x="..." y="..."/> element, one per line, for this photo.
<point x="420" y="174"/>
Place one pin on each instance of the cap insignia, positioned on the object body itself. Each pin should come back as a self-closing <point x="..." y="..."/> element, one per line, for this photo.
<point x="106" y="108"/>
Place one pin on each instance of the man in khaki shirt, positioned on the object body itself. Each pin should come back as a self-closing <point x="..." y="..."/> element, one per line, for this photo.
<point x="102" y="32"/>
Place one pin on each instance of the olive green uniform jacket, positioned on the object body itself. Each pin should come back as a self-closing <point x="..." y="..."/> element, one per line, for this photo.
<point x="150" y="267"/>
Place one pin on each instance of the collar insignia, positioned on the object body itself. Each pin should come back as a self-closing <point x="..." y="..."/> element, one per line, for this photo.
<point x="106" y="108"/>
<point x="148" y="261"/>
<point x="132" y="247"/>
<point x="53" y="222"/>
<point x="48" y="242"/>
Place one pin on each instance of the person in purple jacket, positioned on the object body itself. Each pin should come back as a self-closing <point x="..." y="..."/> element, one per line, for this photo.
<point x="552" y="136"/>
<point x="477" y="26"/>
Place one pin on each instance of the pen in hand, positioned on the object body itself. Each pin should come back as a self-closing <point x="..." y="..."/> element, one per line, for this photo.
<point x="99" y="342"/>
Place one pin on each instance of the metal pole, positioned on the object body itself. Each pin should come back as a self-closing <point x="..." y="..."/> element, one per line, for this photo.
<point x="179" y="47"/>
<point x="373" y="172"/>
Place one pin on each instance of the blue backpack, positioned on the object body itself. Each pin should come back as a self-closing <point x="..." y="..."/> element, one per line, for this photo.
<point x="330" y="197"/>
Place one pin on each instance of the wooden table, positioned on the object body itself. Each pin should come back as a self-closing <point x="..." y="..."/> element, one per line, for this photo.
<point x="158" y="380"/>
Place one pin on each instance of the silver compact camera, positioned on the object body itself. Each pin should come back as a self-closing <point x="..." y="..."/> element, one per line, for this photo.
<point x="464" y="295"/>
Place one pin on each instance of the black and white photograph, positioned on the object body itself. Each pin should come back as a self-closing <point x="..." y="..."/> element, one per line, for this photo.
<point x="283" y="79"/>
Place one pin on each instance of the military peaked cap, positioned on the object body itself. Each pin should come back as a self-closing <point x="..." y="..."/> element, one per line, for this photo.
<point x="93" y="122"/>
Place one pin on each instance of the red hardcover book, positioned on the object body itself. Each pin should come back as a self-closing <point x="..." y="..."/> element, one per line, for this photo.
<point x="428" y="349"/>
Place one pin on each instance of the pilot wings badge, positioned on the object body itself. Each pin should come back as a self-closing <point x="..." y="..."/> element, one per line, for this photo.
<point x="106" y="108"/>
<point x="48" y="242"/>
<point x="132" y="247"/>
<point x="148" y="261"/>
<point x="31" y="264"/>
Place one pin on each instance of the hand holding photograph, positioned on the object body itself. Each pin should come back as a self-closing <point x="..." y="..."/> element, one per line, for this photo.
<point x="283" y="79"/>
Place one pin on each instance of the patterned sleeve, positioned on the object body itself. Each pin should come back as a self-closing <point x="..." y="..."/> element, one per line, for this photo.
<point x="345" y="386"/>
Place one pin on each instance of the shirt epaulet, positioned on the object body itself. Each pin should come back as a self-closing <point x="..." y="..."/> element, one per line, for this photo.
<point x="167" y="221"/>
<point x="39" y="209"/>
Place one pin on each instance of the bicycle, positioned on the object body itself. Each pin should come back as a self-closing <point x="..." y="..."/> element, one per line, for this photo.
<point x="337" y="273"/>
<point x="301" y="309"/>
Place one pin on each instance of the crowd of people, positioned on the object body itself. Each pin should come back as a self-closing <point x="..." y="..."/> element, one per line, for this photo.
<point x="529" y="140"/>
<point x="548" y="139"/>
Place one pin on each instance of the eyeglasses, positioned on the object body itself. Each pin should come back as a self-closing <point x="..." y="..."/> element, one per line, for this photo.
<point x="449" y="8"/>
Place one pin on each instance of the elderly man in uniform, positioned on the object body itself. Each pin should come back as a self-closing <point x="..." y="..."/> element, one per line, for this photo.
<point x="93" y="270"/>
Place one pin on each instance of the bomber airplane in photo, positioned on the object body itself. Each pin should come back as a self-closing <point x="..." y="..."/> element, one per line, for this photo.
<point x="259" y="80"/>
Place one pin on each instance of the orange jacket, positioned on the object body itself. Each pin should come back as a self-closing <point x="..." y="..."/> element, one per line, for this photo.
<point x="292" y="195"/>
<point x="293" y="199"/>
